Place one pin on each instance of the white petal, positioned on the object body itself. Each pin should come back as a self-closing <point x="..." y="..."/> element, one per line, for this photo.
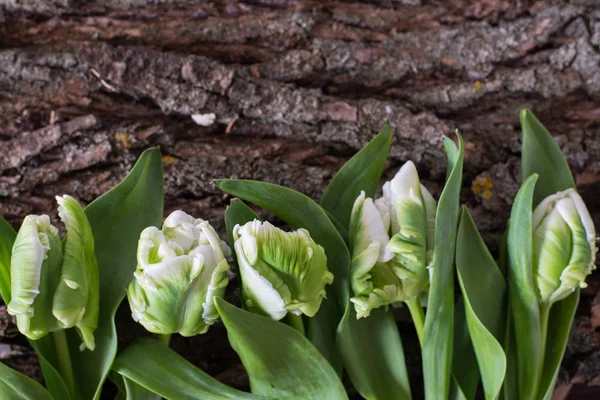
<point x="373" y="229"/>
<point x="261" y="292"/>
<point x="406" y="179"/>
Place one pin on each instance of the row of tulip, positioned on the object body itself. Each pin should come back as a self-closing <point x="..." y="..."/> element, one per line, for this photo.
<point x="316" y="301"/>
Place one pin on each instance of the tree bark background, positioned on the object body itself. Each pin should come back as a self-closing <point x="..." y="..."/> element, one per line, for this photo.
<point x="296" y="87"/>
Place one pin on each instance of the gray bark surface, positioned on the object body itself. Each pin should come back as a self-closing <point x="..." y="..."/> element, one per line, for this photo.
<point x="296" y="88"/>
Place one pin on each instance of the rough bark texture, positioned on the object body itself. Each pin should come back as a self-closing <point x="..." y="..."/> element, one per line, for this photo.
<point x="296" y="87"/>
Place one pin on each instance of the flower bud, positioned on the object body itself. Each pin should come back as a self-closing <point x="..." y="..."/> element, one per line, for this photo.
<point x="564" y="245"/>
<point x="55" y="285"/>
<point x="181" y="269"/>
<point x="281" y="271"/>
<point x="392" y="242"/>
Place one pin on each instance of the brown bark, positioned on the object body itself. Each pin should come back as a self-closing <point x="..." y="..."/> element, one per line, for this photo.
<point x="296" y="88"/>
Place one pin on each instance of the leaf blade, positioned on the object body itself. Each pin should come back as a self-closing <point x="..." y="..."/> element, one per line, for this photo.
<point x="483" y="288"/>
<point x="265" y="348"/>
<point x="146" y="359"/>
<point x="523" y="299"/>
<point x="16" y="386"/>
<point x="541" y="155"/>
<point x="7" y="239"/>
<point x="439" y="327"/>
<point x="362" y="172"/>
<point x="373" y="355"/>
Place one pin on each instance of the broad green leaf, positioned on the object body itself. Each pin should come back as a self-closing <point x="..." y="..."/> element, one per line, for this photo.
<point x="156" y="367"/>
<point x="541" y="155"/>
<point x="439" y="320"/>
<point x="361" y="172"/>
<point x="117" y="218"/>
<point x="119" y="382"/>
<point x="484" y="293"/>
<point x="280" y="362"/>
<point x="523" y="299"/>
<point x="343" y="231"/>
<point x="456" y="392"/>
<point x="510" y="388"/>
<point x="138" y="392"/>
<point x="559" y="325"/>
<point x="321" y="331"/>
<point x="16" y="386"/>
<point x="299" y="211"/>
<point x="373" y="355"/>
<point x="48" y="358"/>
<point x="7" y="239"/>
<point x="465" y="374"/>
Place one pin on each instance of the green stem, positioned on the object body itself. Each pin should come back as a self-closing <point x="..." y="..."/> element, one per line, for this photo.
<point x="165" y="339"/>
<point x="544" y="314"/>
<point x="64" y="360"/>
<point x="418" y="316"/>
<point x="295" y="321"/>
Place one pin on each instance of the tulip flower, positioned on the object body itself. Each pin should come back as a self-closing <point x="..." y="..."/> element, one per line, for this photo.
<point x="181" y="269"/>
<point x="564" y="245"/>
<point x="55" y="285"/>
<point x="281" y="271"/>
<point x="392" y="243"/>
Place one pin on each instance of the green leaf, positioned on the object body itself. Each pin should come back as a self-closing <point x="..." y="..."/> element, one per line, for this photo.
<point x="16" y="386"/>
<point x="321" y="332"/>
<point x="156" y="367"/>
<point x="299" y="211"/>
<point x="129" y="390"/>
<point x="48" y="358"/>
<point x="541" y="155"/>
<point x="559" y="325"/>
<point x="361" y="172"/>
<point x="338" y="225"/>
<point x="117" y="218"/>
<point x="439" y="320"/>
<point x="465" y="374"/>
<point x="510" y="388"/>
<point x="280" y="362"/>
<point x="523" y="299"/>
<point x="138" y="392"/>
<point x="7" y="239"/>
<point x="373" y="355"/>
<point x="484" y="293"/>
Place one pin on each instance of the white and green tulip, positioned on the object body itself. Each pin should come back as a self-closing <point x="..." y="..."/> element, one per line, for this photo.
<point x="55" y="285"/>
<point x="564" y="245"/>
<point x="281" y="271"/>
<point x="181" y="269"/>
<point x="392" y="243"/>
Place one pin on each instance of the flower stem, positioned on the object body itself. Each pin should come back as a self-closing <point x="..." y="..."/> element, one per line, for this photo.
<point x="165" y="339"/>
<point x="418" y="316"/>
<point x="544" y="314"/>
<point x="295" y="321"/>
<point x="64" y="360"/>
